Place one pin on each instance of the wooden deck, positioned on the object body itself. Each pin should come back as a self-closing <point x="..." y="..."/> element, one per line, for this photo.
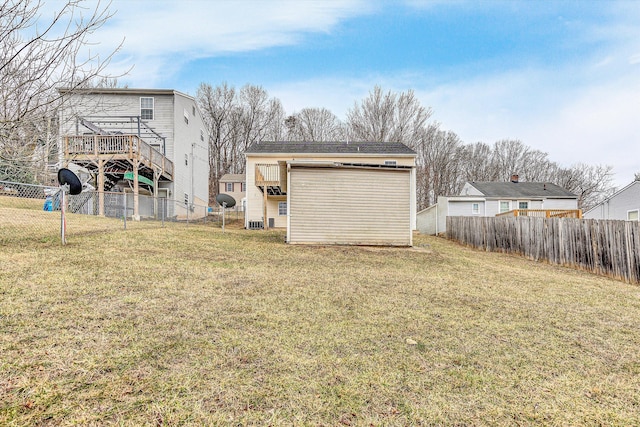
<point x="545" y="213"/>
<point x="87" y="149"/>
<point x="273" y="177"/>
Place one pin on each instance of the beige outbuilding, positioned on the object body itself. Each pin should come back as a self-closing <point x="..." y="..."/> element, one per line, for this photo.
<point x="358" y="193"/>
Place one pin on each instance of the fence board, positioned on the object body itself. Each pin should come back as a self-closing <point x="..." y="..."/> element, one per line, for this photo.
<point x="605" y="247"/>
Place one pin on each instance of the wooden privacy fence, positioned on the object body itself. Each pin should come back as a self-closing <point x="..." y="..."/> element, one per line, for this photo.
<point x="605" y="247"/>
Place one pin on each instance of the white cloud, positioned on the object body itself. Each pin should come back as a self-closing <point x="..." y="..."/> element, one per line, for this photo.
<point x="165" y="37"/>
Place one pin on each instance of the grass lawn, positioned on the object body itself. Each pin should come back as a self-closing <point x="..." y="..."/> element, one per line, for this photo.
<point x="190" y="326"/>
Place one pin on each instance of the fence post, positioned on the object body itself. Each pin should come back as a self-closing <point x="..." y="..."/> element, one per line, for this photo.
<point x="63" y="219"/>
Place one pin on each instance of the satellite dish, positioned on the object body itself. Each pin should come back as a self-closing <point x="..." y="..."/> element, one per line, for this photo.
<point x="66" y="177"/>
<point x="225" y="200"/>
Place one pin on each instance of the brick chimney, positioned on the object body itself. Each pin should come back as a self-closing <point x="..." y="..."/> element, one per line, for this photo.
<point x="514" y="178"/>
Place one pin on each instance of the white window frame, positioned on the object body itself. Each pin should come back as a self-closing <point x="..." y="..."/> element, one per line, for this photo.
<point x="228" y="187"/>
<point x="636" y="211"/>
<point x="508" y="202"/>
<point x="523" y="201"/>
<point x="282" y="207"/>
<point x="243" y="186"/>
<point x="390" y="163"/>
<point x="475" y="208"/>
<point x="146" y="112"/>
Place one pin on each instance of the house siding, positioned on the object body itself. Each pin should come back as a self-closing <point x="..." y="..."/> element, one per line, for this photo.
<point x="254" y="208"/>
<point x="167" y="121"/>
<point x="236" y="193"/>
<point x="373" y="209"/>
<point x="427" y="220"/>
<point x="617" y="206"/>
<point x="461" y="206"/>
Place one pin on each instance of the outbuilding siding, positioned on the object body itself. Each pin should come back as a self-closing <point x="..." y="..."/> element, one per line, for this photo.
<point x="350" y="206"/>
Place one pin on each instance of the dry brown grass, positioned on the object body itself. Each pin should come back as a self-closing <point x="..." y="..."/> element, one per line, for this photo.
<point x="186" y="325"/>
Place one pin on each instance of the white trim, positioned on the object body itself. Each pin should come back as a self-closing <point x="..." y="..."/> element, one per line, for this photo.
<point x="153" y="107"/>
<point x="500" y="206"/>
<point x="637" y="211"/>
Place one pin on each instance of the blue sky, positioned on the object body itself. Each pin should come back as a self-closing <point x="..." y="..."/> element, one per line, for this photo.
<point x="562" y="76"/>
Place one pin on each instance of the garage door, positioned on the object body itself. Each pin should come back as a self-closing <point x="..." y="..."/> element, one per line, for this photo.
<point x="357" y="206"/>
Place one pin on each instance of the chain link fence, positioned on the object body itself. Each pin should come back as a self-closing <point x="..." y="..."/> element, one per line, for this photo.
<point x="32" y="213"/>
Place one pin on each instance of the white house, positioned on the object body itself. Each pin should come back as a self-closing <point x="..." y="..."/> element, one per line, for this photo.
<point x="361" y="193"/>
<point x="622" y="205"/>
<point x="154" y="138"/>
<point x="493" y="198"/>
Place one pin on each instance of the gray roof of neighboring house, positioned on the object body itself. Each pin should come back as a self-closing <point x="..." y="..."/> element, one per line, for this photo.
<point x="334" y="147"/>
<point x="522" y="189"/>
<point x="233" y="177"/>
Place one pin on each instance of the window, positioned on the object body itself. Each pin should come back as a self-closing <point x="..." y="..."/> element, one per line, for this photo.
<point x="201" y="135"/>
<point x="186" y="199"/>
<point x="146" y="108"/>
<point x="186" y="116"/>
<point x="475" y="208"/>
<point x="243" y="186"/>
<point x="523" y="205"/>
<point x="633" y="215"/>
<point x="186" y="160"/>
<point x="193" y="110"/>
<point x="282" y="208"/>
<point x="390" y="163"/>
<point x="229" y="187"/>
<point x="505" y="206"/>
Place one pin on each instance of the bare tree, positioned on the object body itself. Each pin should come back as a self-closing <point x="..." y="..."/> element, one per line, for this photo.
<point x="314" y="124"/>
<point x="34" y="60"/>
<point x="438" y="164"/>
<point x="217" y="105"/>
<point x="591" y="183"/>
<point x="475" y="162"/>
<point x="235" y="120"/>
<point x="388" y="117"/>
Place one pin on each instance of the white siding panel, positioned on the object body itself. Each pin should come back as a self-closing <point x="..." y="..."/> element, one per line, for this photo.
<point x="427" y="220"/>
<point x="350" y="206"/>
<point x="560" y="204"/>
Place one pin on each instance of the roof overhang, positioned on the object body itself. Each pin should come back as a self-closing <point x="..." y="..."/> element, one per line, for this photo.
<point x="342" y="165"/>
<point x="119" y="91"/>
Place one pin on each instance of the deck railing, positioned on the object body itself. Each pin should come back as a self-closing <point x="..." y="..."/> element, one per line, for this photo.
<point x="545" y="213"/>
<point x="267" y="174"/>
<point x="129" y="145"/>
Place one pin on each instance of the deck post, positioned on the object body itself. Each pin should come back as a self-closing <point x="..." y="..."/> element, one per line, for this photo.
<point x="136" y="201"/>
<point x="155" y="192"/>
<point x="101" y="187"/>
<point x="265" y="222"/>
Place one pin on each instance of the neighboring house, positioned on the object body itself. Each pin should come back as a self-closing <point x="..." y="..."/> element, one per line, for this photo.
<point x="234" y="185"/>
<point x="333" y="192"/>
<point x="137" y="139"/>
<point x="493" y="198"/>
<point x="622" y="205"/>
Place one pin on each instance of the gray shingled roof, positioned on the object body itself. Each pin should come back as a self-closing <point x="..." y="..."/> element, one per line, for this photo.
<point x="334" y="147"/>
<point x="233" y="177"/>
<point x="522" y="189"/>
